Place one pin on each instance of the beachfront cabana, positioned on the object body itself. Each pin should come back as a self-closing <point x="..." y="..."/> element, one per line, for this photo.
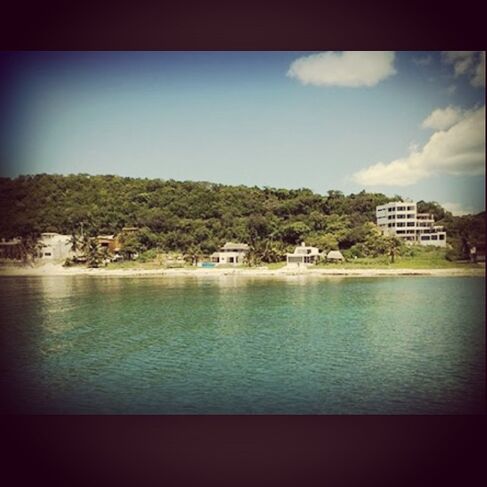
<point x="334" y="256"/>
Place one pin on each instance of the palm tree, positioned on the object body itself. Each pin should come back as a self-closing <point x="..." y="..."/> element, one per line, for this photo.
<point x="93" y="255"/>
<point x="75" y="242"/>
<point x="193" y="255"/>
<point x="393" y="245"/>
<point x="30" y="247"/>
<point x="252" y="256"/>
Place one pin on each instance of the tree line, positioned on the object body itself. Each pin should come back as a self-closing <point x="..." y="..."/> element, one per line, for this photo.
<point x="196" y="218"/>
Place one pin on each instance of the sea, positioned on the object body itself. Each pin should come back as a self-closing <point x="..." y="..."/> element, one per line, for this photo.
<point x="242" y="345"/>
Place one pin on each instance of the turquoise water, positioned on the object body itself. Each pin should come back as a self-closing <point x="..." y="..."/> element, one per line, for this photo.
<point x="399" y="345"/>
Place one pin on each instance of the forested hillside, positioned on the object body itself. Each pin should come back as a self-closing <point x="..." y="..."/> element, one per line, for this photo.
<point x="200" y="216"/>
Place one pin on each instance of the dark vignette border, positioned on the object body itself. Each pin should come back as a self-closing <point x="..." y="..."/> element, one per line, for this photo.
<point x="243" y="450"/>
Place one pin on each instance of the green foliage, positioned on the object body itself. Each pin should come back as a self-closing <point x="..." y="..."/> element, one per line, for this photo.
<point x="434" y="208"/>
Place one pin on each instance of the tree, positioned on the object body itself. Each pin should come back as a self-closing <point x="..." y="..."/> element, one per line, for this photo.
<point x="193" y="255"/>
<point x="30" y="247"/>
<point x="293" y="233"/>
<point x="393" y="246"/>
<point x="252" y="256"/>
<point x="130" y="245"/>
<point x="94" y="255"/>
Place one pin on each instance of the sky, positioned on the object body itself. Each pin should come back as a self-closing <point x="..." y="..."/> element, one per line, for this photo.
<point x="400" y="123"/>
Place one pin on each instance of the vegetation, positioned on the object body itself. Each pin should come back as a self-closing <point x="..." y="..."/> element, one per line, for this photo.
<point x="195" y="218"/>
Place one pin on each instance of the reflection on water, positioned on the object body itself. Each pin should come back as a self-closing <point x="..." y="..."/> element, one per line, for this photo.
<point x="243" y="345"/>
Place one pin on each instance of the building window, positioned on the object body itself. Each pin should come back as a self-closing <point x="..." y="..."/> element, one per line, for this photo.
<point x="442" y="237"/>
<point x="410" y="208"/>
<point x="434" y="237"/>
<point x="401" y="208"/>
<point x="47" y="254"/>
<point x="410" y="224"/>
<point x="425" y="237"/>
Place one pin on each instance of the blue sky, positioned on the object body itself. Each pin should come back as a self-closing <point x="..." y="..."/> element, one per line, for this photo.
<point x="281" y="119"/>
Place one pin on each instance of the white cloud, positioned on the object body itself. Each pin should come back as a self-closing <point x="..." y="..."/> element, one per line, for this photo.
<point x="443" y="118"/>
<point x="470" y="63"/>
<point x="462" y="60"/>
<point x="458" y="150"/>
<point x="479" y="77"/>
<point x="348" y="68"/>
<point x="458" y="209"/>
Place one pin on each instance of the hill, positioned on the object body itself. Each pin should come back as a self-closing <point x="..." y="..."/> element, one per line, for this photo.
<point x="199" y="216"/>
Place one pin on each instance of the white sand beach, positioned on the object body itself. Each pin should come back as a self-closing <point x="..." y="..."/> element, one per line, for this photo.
<point x="59" y="270"/>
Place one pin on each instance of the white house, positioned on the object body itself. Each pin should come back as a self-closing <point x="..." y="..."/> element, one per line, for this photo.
<point x="303" y="255"/>
<point x="401" y="218"/>
<point x="230" y="253"/>
<point x="55" y="247"/>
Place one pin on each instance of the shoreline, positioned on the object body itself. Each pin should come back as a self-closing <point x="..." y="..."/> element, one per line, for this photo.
<point x="58" y="270"/>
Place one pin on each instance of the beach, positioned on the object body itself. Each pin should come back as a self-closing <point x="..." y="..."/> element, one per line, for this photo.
<point x="59" y="270"/>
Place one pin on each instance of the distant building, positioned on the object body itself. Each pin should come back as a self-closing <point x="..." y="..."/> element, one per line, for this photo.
<point x="401" y="219"/>
<point x="55" y="247"/>
<point x="109" y="242"/>
<point x="334" y="256"/>
<point x="304" y="255"/>
<point x="230" y="253"/>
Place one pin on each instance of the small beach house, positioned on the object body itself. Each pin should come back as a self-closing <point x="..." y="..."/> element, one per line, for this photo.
<point x="304" y="255"/>
<point x="55" y="247"/>
<point x="231" y="253"/>
<point x="109" y="242"/>
<point x="334" y="256"/>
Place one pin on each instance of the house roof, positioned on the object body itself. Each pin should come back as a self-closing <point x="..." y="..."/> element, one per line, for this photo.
<point x="235" y="246"/>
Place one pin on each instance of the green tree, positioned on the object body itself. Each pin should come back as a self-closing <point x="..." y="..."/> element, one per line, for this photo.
<point x="393" y="247"/>
<point x="94" y="255"/>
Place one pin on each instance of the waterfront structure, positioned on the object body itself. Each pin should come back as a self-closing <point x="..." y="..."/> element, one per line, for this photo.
<point x="303" y="255"/>
<point x="55" y="247"/>
<point x="401" y="219"/>
<point x="230" y="253"/>
<point x="334" y="256"/>
<point x="109" y="242"/>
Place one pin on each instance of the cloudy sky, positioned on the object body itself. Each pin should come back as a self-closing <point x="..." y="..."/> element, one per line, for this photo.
<point x="408" y="123"/>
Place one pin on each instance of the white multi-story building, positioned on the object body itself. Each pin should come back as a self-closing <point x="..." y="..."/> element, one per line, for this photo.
<point x="401" y="218"/>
